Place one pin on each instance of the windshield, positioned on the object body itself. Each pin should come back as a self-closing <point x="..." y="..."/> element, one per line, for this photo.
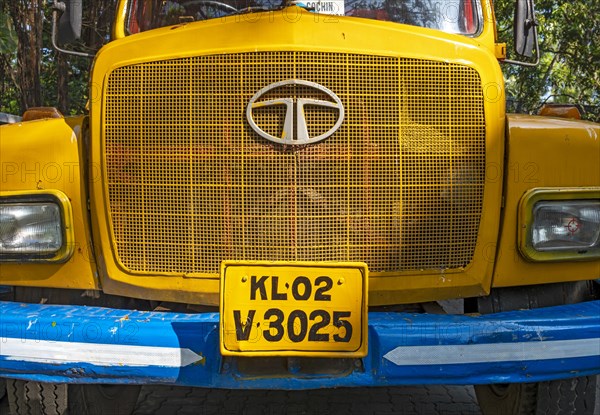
<point x="451" y="16"/>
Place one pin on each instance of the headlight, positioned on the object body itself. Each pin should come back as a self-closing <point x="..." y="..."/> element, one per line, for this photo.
<point x="34" y="227"/>
<point x="30" y="229"/>
<point x="560" y="224"/>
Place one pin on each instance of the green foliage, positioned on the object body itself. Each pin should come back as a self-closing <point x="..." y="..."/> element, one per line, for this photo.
<point x="71" y="99"/>
<point x="8" y="37"/>
<point x="569" y="70"/>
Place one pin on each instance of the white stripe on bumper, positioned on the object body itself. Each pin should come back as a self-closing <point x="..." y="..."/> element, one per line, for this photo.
<point x="99" y="354"/>
<point x="493" y="352"/>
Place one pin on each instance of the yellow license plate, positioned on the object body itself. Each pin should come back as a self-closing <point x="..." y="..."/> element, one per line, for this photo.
<point x="293" y="309"/>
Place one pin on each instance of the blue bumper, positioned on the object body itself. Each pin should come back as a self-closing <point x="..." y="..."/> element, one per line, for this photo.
<point x="90" y="344"/>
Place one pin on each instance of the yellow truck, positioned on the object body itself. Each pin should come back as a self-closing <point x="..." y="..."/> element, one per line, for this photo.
<point x="299" y="195"/>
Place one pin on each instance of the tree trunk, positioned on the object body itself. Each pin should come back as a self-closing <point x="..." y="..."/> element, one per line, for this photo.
<point x="27" y="17"/>
<point x="62" y="83"/>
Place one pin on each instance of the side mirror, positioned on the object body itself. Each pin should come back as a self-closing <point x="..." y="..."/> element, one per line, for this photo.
<point x="69" y="24"/>
<point x="525" y="28"/>
<point x="66" y="25"/>
<point x="525" y="33"/>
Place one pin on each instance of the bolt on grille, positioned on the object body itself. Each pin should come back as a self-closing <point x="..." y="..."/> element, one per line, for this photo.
<point x="190" y="184"/>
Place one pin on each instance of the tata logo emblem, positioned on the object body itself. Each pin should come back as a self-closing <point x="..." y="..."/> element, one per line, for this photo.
<point x="295" y="129"/>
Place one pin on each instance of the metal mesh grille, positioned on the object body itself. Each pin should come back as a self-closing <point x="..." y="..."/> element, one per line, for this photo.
<point x="190" y="184"/>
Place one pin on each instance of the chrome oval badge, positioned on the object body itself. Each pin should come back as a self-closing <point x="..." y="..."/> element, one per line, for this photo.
<point x="294" y="133"/>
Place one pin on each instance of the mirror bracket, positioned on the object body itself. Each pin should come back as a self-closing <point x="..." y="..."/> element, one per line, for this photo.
<point x="58" y="8"/>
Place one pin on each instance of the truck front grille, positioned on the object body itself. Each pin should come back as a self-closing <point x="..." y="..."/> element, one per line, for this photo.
<point x="190" y="184"/>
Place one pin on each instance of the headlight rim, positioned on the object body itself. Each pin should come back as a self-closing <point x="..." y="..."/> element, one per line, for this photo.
<point x="526" y="217"/>
<point x="65" y="252"/>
